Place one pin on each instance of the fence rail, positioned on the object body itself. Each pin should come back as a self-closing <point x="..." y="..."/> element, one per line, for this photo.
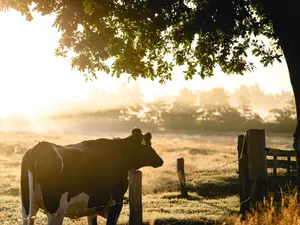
<point x="275" y="163"/>
<point x="285" y="164"/>
<point x="279" y="152"/>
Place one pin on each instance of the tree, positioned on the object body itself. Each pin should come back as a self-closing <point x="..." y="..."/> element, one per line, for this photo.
<point x="286" y="115"/>
<point x="216" y="96"/>
<point x="143" y="36"/>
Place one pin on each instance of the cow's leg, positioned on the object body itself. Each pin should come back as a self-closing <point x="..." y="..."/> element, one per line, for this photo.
<point x="56" y="205"/>
<point x="55" y="219"/>
<point x="92" y="220"/>
<point x="29" y="207"/>
<point x="28" y="219"/>
<point x="115" y="211"/>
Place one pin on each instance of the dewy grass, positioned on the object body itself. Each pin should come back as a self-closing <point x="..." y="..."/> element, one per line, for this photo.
<point x="213" y="189"/>
<point x="270" y="213"/>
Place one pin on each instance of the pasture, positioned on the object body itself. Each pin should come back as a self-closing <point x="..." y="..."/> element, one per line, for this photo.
<point x="209" y="167"/>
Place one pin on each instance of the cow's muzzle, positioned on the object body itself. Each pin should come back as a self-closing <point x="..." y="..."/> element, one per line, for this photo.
<point x="159" y="163"/>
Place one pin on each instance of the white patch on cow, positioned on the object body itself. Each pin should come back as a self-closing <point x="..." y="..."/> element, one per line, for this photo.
<point x="55" y="219"/>
<point x="31" y="192"/>
<point x="90" y="219"/>
<point x="28" y="219"/>
<point x="78" y="206"/>
<point x="81" y="198"/>
<point x="63" y="203"/>
<point x="61" y="159"/>
<point x="58" y="217"/>
<point x="75" y="208"/>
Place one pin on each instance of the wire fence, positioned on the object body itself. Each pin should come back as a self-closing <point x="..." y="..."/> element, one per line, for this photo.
<point x="217" y="169"/>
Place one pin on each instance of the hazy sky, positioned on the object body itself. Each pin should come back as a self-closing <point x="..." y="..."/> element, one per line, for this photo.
<point x="33" y="80"/>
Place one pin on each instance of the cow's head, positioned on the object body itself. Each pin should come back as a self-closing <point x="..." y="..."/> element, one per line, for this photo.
<point x="141" y="152"/>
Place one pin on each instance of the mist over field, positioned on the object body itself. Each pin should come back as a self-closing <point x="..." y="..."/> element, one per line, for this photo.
<point x="210" y="168"/>
<point x="188" y="111"/>
<point x="199" y="126"/>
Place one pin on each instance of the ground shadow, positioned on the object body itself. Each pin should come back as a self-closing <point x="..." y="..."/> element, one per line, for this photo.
<point x="179" y="196"/>
<point x="226" y="187"/>
<point x="194" y="151"/>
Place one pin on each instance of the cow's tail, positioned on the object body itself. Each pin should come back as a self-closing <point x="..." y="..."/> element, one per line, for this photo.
<point x="27" y="183"/>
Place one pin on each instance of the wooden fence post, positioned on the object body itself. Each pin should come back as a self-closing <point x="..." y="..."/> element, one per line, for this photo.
<point x="289" y="167"/>
<point x="135" y="197"/>
<point x="275" y="166"/>
<point x="243" y="168"/>
<point x="181" y="177"/>
<point x="257" y="163"/>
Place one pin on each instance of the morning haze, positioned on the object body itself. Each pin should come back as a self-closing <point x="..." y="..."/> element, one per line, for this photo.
<point x="46" y="107"/>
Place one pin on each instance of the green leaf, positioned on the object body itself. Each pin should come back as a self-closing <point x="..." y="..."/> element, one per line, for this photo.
<point x="88" y="6"/>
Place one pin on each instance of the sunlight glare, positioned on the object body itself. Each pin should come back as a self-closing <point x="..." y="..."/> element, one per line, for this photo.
<point x="35" y="82"/>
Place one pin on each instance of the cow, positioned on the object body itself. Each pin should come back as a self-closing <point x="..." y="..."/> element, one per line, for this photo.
<point x="84" y="179"/>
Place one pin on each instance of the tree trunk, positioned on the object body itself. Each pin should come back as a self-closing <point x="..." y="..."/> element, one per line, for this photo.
<point x="293" y="63"/>
<point x="285" y="25"/>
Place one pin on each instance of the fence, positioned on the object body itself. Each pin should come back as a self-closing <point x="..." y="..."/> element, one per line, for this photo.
<point x="254" y="161"/>
<point x="135" y="197"/>
<point x="181" y="178"/>
<point x="253" y="164"/>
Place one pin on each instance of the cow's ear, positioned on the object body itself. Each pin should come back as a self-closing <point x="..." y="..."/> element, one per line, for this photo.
<point x="136" y="131"/>
<point x="148" y="136"/>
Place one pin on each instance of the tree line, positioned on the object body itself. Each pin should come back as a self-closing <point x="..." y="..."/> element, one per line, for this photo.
<point x="213" y="110"/>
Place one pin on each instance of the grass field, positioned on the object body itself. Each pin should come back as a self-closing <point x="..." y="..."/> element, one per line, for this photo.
<point x="210" y="173"/>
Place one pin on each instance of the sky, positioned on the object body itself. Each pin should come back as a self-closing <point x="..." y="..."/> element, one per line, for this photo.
<point x="33" y="81"/>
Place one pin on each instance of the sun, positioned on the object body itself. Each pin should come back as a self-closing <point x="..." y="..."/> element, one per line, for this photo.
<point x="32" y="79"/>
<point x="20" y="57"/>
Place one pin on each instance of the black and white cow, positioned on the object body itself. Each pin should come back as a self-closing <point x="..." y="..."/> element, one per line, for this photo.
<point x="84" y="179"/>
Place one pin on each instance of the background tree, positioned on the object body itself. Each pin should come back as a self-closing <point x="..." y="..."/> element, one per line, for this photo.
<point x="146" y="38"/>
<point x="286" y="115"/>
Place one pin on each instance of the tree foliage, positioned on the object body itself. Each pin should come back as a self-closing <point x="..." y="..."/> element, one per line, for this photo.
<point x="147" y="38"/>
<point x="286" y="115"/>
